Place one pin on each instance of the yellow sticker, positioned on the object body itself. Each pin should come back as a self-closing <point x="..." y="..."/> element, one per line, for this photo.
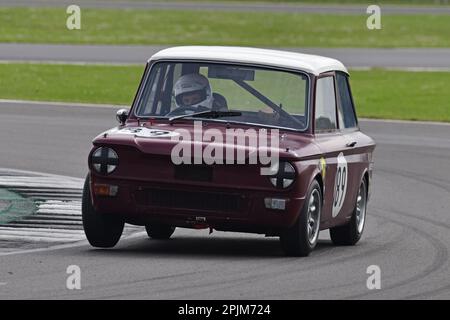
<point x="323" y="167"/>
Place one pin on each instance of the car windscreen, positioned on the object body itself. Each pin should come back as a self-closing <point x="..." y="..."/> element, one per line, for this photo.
<point x="269" y="97"/>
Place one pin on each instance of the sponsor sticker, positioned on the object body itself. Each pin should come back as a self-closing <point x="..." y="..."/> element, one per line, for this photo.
<point x="144" y="132"/>
<point x="340" y="184"/>
<point x="323" y="167"/>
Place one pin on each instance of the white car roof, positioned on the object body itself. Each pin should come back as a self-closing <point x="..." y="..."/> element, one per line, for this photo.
<point x="266" y="57"/>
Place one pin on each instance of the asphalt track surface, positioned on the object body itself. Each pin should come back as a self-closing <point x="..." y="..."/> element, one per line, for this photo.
<point x="420" y="58"/>
<point x="236" y="6"/>
<point x="407" y="230"/>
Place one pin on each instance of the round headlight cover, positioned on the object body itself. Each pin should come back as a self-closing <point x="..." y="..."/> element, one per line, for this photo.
<point x="104" y="160"/>
<point x="284" y="177"/>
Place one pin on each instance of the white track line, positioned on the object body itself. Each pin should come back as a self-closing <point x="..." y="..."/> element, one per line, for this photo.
<point x="44" y="230"/>
<point x="33" y="237"/>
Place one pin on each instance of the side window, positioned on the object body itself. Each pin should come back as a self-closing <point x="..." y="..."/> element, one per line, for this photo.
<point x="325" y="115"/>
<point x="347" y="117"/>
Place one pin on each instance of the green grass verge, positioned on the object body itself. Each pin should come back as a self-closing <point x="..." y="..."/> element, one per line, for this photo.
<point x="402" y="95"/>
<point x="72" y="83"/>
<point x="169" y="27"/>
<point x="378" y="93"/>
<point x="365" y="2"/>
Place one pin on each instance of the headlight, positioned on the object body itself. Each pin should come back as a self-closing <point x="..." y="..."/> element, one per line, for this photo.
<point x="104" y="160"/>
<point x="284" y="177"/>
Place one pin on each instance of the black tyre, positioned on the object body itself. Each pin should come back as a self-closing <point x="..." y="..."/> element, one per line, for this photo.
<point x="159" y="231"/>
<point x="349" y="234"/>
<point x="101" y="230"/>
<point x="302" y="237"/>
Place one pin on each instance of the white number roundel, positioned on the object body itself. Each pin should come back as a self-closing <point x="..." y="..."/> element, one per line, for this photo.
<point x="340" y="184"/>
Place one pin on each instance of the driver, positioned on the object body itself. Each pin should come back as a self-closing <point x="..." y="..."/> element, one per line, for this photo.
<point x="193" y="92"/>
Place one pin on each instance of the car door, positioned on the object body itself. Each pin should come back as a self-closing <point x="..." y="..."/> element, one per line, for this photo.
<point x="332" y="143"/>
<point x="355" y="147"/>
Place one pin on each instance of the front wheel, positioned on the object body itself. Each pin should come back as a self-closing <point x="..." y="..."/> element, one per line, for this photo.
<point x="159" y="231"/>
<point x="102" y="230"/>
<point x="302" y="237"/>
<point x="350" y="233"/>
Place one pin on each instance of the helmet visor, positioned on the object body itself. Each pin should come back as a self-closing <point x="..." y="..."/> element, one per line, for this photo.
<point x="190" y="98"/>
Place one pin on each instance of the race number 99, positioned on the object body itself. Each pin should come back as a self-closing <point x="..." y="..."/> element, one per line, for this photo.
<point x="340" y="184"/>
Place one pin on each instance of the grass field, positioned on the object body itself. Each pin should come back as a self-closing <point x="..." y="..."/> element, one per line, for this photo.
<point x="378" y="93"/>
<point x="108" y="26"/>
<point x="402" y="94"/>
<point x="365" y="2"/>
<point x="73" y="83"/>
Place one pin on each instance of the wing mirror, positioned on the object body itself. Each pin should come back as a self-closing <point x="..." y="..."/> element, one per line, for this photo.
<point x="121" y="116"/>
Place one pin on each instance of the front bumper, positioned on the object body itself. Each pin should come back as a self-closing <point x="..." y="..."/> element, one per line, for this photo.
<point x="196" y="206"/>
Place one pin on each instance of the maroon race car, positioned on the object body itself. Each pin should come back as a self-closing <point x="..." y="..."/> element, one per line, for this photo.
<point x="233" y="139"/>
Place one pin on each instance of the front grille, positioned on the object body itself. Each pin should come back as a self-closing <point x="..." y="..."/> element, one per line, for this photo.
<point x="208" y="201"/>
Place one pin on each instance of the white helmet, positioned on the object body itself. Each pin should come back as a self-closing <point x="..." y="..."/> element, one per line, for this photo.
<point x="193" y="90"/>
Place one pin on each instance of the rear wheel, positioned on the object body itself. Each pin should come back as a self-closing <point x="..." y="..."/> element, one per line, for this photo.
<point x="159" y="231"/>
<point x="102" y="230"/>
<point x="302" y="237"/>
<point x="350" y="233"/>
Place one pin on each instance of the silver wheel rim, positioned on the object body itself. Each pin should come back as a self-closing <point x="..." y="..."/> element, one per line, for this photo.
<point x="361" y="202"/>
<point x="313" y="222"/>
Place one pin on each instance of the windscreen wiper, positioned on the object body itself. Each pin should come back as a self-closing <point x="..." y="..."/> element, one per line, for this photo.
<point x="208" y="114"/>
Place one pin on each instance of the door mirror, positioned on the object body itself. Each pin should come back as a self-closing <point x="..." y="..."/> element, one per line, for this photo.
<point x="121" y="116"/>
